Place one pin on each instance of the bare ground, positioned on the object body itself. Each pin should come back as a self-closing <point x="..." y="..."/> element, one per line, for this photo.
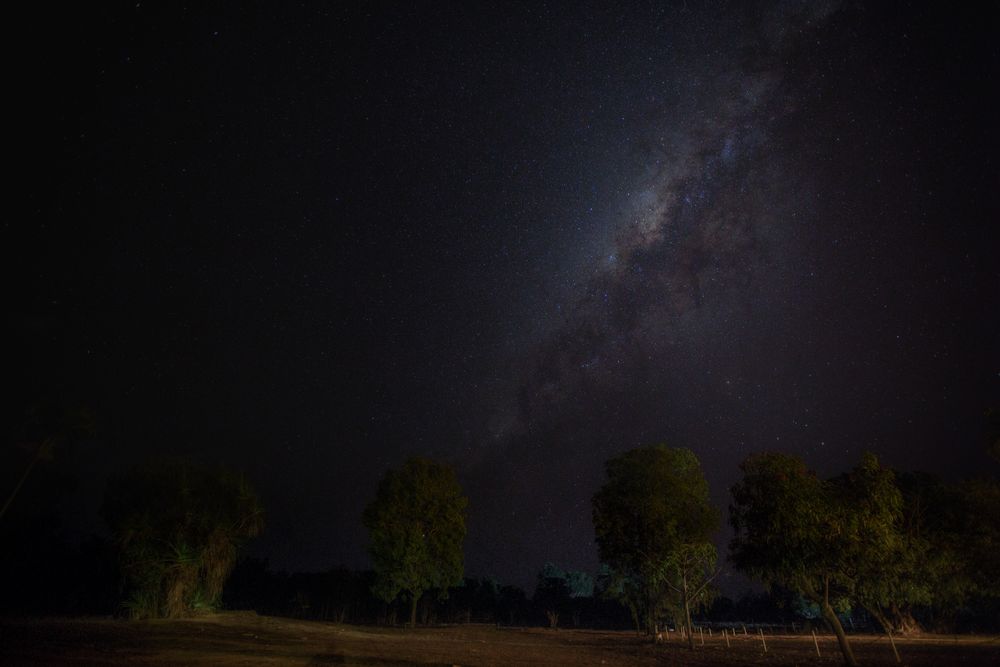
<point x="243" y="638"/>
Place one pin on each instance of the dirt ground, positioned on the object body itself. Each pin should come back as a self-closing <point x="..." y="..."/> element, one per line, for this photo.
<point x="243" y="638"/>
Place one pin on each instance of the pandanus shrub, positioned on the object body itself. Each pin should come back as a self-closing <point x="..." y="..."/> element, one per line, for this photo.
<point x="178" y="528"/>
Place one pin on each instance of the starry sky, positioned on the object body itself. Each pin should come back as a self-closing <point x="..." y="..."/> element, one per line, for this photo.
<point x="311" y="241"/>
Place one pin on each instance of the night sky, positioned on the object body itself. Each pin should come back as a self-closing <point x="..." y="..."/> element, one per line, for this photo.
<point x="310" y="242"/>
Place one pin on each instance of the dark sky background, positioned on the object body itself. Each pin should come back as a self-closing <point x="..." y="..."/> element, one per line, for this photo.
<point x="310" y="242"/>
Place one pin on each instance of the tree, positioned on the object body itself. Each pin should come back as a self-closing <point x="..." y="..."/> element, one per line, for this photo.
<point x="178" y="529"/>
<point x="417" y="525"/>
<point x="876" y="560"/>
<point x="653" y="522"/>
<point x="691" y="568"/>
<point x="828" y="540"/>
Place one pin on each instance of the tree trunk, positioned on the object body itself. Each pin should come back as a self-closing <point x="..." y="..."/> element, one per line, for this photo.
<point x="831" y="617"/>
<point x="687" y="613"/>
<point x="904" y="624"/>
<point x="876" y="613"/>
<point x="413" y="609"/>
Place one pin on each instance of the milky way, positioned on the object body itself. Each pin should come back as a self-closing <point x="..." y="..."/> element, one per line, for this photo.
<point x="308" y="242"/>
<point x="712" y="322"/>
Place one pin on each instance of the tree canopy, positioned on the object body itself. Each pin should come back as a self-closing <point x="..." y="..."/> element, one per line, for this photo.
<point x="178" y="528"/>
<point x="826" y="539"/>
<point x="417" y="526"/>
<point x="653" y="522"/>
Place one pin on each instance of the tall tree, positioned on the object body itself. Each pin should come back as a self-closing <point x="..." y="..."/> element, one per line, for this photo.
<point x="653" y="521"/>
<point x="417" y="526"/>
<point x="824" y="539"/>
<point x="178" y="529"/>
<point x="874" y="560"/>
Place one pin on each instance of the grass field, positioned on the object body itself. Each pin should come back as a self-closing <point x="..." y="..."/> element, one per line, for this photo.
<point x="242" y="638"/>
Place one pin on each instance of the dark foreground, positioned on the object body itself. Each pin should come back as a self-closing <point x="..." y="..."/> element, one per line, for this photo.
<point x="243" y="638"/>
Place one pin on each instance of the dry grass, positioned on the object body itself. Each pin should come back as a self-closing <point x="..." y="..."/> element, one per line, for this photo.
<point x="247" y="639"/>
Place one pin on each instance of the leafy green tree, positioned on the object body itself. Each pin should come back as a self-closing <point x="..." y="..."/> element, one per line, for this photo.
<point x="829" y="540"/>
<point x="787" y="532"/>
<point x="933" y="515"/>
<point x="979" y="531"/>
<point x="875" y="559"/>
<point x="941" y="560"/>
<point x="922" y="566"/>
<point x="653" y="521"/>
<point x="691" y="568"/>
<point x="417" y="525"/>
<point x="178" y="528"/>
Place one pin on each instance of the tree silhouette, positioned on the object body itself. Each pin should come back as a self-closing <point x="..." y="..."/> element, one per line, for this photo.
<point x="178" y="529"/>
<point x="417" y="525"/>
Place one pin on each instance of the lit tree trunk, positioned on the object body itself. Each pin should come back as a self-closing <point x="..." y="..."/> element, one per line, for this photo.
<point x="687" y="611"/>
<point x="414" y="597"/>
<point x="875" y="611"/>
<point x="905" y="624"/>
<point x="650" y="612"/>
<point x="831" y="617"/>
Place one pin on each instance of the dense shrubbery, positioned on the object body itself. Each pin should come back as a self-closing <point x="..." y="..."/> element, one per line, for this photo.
<point x="178" y="528"/>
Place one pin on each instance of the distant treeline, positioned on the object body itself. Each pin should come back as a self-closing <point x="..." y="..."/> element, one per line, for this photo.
<point x="343" y="595"/>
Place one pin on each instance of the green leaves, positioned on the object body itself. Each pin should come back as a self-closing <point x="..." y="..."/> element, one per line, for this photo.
<point x="653" y="521"/>
<point x="417" y="526"/>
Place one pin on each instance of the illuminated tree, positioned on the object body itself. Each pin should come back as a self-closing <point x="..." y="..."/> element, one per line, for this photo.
<point x="653" y="522"/>
<point x="417" y="525"/>
<point x="828" y="540"/>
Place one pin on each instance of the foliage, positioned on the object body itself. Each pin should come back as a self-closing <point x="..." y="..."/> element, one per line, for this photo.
<point x="653" y="522"/>
<point x="178" y="528"/>
<point x="875" y="560"/>
<point x="831" y="540"/>
<point x="980" y="530"/>
<point x="417" y="525"/>
<point x="579" y="584"/>
<point x="943" y="555"/>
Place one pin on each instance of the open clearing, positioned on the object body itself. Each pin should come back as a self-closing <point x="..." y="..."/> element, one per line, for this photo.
<point x="243" y="638"/>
